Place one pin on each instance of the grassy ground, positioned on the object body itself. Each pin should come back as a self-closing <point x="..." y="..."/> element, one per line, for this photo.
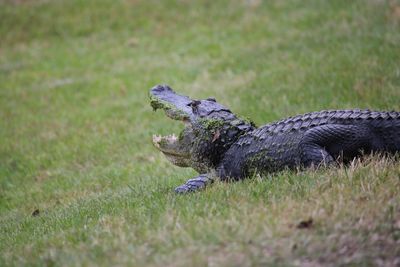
<point x="75" y="131"/>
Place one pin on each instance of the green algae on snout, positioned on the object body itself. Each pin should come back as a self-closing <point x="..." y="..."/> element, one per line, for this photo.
<point x="169" y="109"/>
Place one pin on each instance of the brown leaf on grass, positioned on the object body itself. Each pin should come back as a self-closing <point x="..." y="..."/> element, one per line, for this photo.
<point x="305" y="224"/>
<point x="36" y="213"/>
<point x="394" y="13"/>
<point x="132" y="42"/>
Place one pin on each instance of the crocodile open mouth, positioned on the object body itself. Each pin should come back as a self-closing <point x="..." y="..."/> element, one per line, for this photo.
<point x="176" y="107"/>
<point x="173" y="149"/>
<point x="172" y="144"/>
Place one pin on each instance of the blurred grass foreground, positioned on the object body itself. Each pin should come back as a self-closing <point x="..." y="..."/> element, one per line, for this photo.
<point x="81" y="184"/>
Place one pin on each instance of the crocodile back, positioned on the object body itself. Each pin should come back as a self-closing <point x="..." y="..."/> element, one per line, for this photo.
<point x="385" y="125"/>
<point x="309" y="120"/>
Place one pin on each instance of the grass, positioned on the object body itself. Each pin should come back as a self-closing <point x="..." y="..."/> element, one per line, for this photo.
<point x="76" y="127"/>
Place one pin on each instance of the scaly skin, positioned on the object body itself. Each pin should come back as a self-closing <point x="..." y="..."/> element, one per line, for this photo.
<point x="312" y="139"/>
<point x="219" y="145"/>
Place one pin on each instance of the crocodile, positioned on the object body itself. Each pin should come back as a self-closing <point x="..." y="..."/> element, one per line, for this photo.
<point x="220" y="145"/>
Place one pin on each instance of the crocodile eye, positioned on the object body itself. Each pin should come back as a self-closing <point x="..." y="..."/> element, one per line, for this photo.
<point x="211" y="99"/>
<point x="194" y="103"/>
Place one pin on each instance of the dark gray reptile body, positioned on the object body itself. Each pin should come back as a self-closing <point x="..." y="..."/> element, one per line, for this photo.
<point x="218" y="144"/>
<point x="313" y="138"/>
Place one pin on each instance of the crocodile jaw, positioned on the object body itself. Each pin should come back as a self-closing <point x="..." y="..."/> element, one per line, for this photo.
<point x="166" y="144"/>
<point x="172" y="149"/>
<point x="176" y="107"/>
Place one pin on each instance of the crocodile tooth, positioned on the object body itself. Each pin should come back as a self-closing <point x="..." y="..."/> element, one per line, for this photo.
<point x="156" y="138"/>
<point x="172" y="137"/>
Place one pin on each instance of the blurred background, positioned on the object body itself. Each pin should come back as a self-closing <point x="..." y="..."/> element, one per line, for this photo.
<point x="75" y="120"/>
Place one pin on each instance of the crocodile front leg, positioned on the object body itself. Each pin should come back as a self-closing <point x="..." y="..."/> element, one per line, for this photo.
<point x="195" y="184"/>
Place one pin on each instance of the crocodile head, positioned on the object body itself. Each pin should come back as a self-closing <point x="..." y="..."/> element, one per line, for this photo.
<point x="210" y="129"/>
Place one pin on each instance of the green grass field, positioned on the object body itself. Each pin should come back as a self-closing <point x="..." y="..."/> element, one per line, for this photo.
<point x="76" y="127"/>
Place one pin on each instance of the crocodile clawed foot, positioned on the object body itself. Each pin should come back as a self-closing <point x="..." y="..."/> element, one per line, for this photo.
<point x="193" y="185"/>
<point x="182" y="189"/>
